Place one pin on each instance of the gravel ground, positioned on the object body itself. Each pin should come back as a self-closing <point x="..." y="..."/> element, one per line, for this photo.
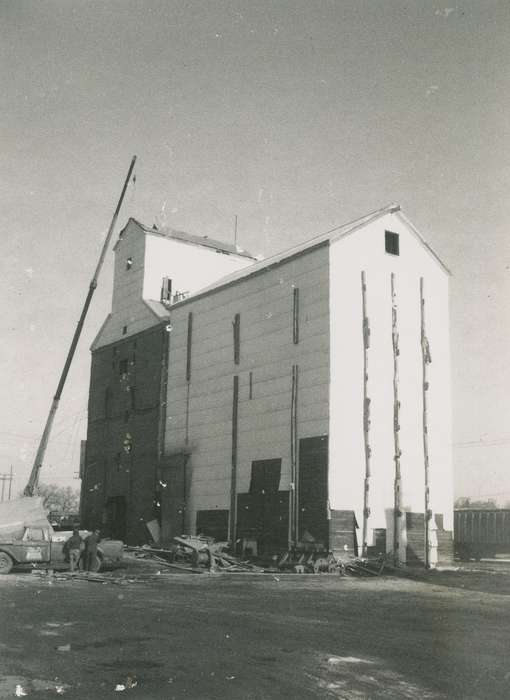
<point x="163" y="636"/>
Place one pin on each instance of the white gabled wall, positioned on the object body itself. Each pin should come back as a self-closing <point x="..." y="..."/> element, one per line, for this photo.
<point x="128" y="308"/>
<point x="365" y="250"/>
<point x="190" y="267"/>
<point x="155" y="256"/>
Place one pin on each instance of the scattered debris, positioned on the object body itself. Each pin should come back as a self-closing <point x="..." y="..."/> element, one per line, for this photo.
<point x="310" y="561"/>
<point x="21" y="686"/>
<point x="129" y="683"/>
<point x="367" y="567"/>
<point x="195" y="555"/>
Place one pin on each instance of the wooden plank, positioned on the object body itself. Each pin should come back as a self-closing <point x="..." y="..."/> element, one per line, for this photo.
<point x="294" y="468"/>
<point x="233" y="478"/>
<point x="188" y="346"/>
<point x="426" y="359"/>
<point x="236" y="327"/>
<point x="366" y="413"/>
<point x="295" y="315"/>
<point x="396" y="425"/>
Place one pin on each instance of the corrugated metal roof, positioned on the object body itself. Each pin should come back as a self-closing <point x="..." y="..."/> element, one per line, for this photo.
<point x="192" y="239"/>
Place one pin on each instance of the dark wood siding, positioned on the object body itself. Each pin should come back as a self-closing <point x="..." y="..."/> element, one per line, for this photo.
<point x="264" y="518"/>
<point x="213" y="523"/>
<point x="415" y="525"/>
<point x="313" y="489"/>
<point x="123" y="434"/>
<point x="263" y="513"/>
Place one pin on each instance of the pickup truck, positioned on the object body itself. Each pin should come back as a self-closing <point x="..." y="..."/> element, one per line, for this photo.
<point x="39" y="545"/>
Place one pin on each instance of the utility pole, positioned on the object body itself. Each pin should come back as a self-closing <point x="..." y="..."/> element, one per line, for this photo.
<point x="3" y="479"/>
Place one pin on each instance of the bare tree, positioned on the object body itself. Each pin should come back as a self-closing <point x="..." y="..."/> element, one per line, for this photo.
<point x="64" y="500"/>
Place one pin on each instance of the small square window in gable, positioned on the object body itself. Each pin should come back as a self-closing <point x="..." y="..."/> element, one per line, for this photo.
<point x="391" y="243"/>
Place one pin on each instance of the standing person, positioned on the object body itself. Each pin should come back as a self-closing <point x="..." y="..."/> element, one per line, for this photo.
<point x="72" y="548"/>
<point x="91" y="543"/>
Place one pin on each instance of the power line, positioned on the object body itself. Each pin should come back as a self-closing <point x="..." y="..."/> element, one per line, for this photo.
<point x="482" y="443"/>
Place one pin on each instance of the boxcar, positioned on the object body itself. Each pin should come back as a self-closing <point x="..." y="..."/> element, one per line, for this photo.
<point x="481" y="533"/>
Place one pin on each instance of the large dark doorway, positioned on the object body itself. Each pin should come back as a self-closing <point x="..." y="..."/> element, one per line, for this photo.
<point x="116" y="517"/>
<point x="213" y="523"/>
<point x="263" y="513"/>
<point x="313" y="490"/>
<point x="173" y="496"/>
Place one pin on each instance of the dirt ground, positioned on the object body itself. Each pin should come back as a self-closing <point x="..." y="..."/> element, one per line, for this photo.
<point x="440" y="635"/>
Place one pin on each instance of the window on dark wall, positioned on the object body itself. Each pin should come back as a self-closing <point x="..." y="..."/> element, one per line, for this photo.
<point x="391" y="243"/>
<point x="237" y="338"/>
<point x="123" y="367"/>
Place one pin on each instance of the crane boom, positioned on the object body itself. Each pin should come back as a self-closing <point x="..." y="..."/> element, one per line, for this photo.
<point x="39" y="458"/>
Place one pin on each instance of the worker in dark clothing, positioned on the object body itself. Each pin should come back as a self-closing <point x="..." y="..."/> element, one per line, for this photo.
<point x="90" y="552"/>
<point x="72" y="548"/>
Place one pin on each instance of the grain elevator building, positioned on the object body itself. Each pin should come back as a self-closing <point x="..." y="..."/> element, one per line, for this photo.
<point x="298" y="401"/>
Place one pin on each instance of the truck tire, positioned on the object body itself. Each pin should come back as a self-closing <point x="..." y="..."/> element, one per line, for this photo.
<point x="6" y="563"/>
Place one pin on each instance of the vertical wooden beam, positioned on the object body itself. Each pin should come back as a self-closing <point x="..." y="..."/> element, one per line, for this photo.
<point x="294" y="468"/>
<point x="426" y="360"/>
<point x="397" y="512"/>
<point x="366" y="414"/>
<point x="233" y="473"/>
<point x="163" y="385"/>
<point x="189" y="341"/>
<point x="188" y="346"/>
<point x="295" y="316"/>
<point x="237" y="338"/>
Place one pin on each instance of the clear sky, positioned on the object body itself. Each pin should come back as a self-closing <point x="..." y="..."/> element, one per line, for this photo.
<point x="294" y="115"/>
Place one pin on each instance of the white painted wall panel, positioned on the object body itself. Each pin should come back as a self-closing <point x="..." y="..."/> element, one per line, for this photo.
<point x="265" y="303"/>
<point x="364" y="250"/>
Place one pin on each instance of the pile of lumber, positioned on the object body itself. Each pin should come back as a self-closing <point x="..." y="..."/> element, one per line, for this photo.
<point x="310" y="563"/>
<point x="367" y="567"/>
<point x="195" y="555"/>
